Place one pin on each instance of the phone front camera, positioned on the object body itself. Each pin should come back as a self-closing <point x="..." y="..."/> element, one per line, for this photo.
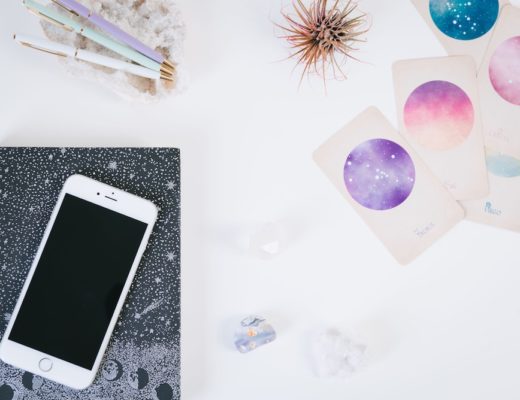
<point x="98" y="193"/>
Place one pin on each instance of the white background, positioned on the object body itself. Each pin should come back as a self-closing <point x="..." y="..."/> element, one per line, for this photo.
<point x="445" y="327"/>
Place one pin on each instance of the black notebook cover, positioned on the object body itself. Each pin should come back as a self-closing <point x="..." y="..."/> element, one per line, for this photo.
<point x="143" y="358"/>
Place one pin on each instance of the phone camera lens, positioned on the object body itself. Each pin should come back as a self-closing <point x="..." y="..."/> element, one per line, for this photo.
<point x="98" y="193"/>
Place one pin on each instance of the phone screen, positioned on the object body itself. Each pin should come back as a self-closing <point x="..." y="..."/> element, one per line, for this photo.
<point x="78" y="281"/>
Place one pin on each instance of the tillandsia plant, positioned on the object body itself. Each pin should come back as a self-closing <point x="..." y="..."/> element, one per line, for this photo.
<point x="323" y="38"/>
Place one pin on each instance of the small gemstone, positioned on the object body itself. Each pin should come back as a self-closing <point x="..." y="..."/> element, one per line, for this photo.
<point x="268" y="241"/>
<point x="253" y="332"/>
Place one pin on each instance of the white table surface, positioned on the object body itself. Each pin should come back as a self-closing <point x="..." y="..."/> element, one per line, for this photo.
<point x="445" y="327"/>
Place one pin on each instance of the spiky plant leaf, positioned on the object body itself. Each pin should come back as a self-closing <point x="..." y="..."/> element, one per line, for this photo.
<point x="323" y="37"/>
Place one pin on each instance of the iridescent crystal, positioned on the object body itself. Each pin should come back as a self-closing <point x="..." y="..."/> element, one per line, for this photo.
<point x="336" y="355"/>
<point x="254" y="332"/>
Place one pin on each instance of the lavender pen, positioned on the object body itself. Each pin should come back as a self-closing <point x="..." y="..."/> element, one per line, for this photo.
<point x="76" y="8"/>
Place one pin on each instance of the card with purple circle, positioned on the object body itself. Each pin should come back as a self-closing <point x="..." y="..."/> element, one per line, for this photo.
<point x="499" y="85"/>
<point x="388" y="185"/>
<point x="463" y="27"/>
<point x="439" y="114"/>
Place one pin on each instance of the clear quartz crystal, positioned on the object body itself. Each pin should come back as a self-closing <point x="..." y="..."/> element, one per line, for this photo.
<point x="253" y="332"/>
<point x="336" y="355"/>
<point x="268" y="241"/>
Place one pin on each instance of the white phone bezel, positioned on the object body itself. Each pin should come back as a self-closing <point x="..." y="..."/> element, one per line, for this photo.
<point x="64" y="372"/>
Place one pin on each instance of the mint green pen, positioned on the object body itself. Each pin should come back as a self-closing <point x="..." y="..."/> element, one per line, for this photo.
<point x="68" y="23"/>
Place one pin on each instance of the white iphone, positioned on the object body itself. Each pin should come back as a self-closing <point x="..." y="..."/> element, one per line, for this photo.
<point x="78" y="282"/>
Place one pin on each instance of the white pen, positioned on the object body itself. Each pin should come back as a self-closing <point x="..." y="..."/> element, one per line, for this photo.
<point x="84" y="55"/>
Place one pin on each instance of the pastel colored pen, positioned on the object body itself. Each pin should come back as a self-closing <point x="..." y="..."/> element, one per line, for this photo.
<point x="68" y="23"/>
<point x="76" y="8"/>
<point x="84" y="55"/>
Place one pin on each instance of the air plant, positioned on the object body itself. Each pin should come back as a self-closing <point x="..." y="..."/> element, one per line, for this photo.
<point x="321" y="36"/>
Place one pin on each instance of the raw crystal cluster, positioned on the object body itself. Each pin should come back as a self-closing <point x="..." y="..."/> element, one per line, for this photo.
<point x="336" y="355"/>
<point x="157" y="23"/>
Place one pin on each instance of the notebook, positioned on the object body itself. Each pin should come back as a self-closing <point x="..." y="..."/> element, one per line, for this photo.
<point x="143" y="358"/>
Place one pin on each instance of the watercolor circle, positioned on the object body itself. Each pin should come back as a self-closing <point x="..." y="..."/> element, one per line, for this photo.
<point x="439" y="115"/>
<point x="464" y="19"/>
<point x="504" y="70"/>
<point x="379" y="174"/>
<point x="503" y="165"/>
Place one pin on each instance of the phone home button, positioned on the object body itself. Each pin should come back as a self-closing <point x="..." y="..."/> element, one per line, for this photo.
<point x="45" y="364"/>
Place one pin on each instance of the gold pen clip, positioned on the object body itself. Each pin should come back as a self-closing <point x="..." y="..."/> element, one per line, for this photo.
<point x="65" y="8"/>
<point x="49" y="19"/>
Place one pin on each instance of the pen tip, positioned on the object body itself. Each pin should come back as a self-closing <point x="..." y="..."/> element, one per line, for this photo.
<point x="167" y="78"/>
<point x="168" y="64"/>
<point x="167" y="70"/>
<point x="14" y="36"/>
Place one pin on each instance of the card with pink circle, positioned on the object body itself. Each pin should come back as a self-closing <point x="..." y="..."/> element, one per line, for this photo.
<point x="439" y="114"/>
<point x="388" y="185"/>
<point x="499" y="85"/>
